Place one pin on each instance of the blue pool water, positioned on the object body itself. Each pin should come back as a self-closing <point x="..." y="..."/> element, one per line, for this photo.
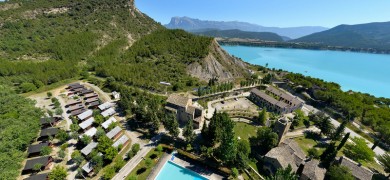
<point x="362" y="72"/>
<point x="173" y="171"/>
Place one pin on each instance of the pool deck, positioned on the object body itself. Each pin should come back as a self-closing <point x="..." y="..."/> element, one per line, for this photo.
<point x="198" y="169"/>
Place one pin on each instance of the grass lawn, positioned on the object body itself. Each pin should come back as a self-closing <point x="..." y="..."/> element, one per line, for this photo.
<point x="244" y="130"/>
<point x="141" y="171"/>
<point x="306" y="144"/>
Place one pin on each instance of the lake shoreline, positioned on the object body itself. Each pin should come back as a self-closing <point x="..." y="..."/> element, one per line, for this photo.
<point x="293" y="45"/>
<point x="359" y="72"/>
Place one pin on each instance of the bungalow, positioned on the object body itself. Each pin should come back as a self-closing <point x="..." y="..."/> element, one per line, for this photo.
<point x="35" y="150"/>
<point x="108" y="112"/>
<point x="107" y="123"/>
<point x="93" y="104"/>
<point x="77" y="90"/>
<point x="122" y="140"/>
<point x="85" y="91"/>
<point x="45" y="161"/>
<point x="90" y="95"/>
<point x="75" y="107"/>
<point x="85" y="115"/>
<point x="49" y="121"/>
<point x="90" y="132"/>
<point x="43" y="176"/>
<point x="114" y="133"/>
<point x="45" y="133"/>
<point x="105" y="106"/>
<point x="88" y="149"/>
<point x="87" y="123"/>
<point x="90" y="100"/>
<point x="74" y="86"/>
<point x="73" y="102"/>
<point x="77" y="112"/>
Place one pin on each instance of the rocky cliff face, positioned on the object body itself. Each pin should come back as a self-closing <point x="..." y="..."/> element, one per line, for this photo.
<point x="218" y="63"/>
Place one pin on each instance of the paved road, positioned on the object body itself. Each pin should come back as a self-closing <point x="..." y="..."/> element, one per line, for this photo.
<point x="126" y="170"/>
<point x="377" y="150"/>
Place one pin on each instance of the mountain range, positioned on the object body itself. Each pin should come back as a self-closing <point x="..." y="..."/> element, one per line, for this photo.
<point x="191" y="24"/>
<point x="235" y="33"/>
<point x="370" y="35"/>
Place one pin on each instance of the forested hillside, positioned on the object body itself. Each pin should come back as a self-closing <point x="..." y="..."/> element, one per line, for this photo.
<point x="46" y="42"/>
<point x="371" y="35"/>
<point x="19" y="125"/>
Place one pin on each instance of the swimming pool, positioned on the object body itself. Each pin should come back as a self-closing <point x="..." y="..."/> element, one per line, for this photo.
<point x="171" y="171"/>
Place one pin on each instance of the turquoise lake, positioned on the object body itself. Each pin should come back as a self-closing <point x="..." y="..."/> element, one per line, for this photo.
<point x="362" y="72"/>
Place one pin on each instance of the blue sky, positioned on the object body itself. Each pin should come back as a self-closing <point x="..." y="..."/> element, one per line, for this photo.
<point x="280" y="13"/>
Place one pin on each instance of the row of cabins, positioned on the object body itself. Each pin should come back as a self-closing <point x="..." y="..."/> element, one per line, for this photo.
<point x="76" y="106"/>
<point x="275" y="100"/>
<point x="116" y="134"/>
<point x="34" y="150"/>
<point x="184" y="110"/>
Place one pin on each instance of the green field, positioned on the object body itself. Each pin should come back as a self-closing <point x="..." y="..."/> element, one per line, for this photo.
<point x="244" y="130"/>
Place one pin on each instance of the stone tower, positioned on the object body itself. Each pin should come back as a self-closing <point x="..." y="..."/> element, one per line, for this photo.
<point x="281" y="127"/>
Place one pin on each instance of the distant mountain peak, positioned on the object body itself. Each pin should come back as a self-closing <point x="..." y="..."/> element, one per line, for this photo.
<point x="193" y="24"/>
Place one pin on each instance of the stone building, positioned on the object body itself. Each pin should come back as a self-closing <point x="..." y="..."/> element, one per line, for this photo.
<point x="281" y="128"/>
<point x="184" y="109"/>
<point x="275" y="100"/>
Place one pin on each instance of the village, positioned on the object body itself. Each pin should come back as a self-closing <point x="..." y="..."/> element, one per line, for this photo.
<point x="89" y="123"/>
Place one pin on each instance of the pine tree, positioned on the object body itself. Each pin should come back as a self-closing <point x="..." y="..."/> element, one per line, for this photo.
<point x="343" y="141"/>
<point x="339" y="131"/>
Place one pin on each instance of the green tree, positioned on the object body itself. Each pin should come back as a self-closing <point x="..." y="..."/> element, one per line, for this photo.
<point x="263" y="116"/>
<point x="59" y="111"/>
<point x="329" y="155"/>
<point x="58" y="173"/>
<point x="46" y="150"/>
<point x="110" y="153"/>
<point x="284" y="174"/>
<point x="265" y="140"/>
<point x="235" y="172"/>
<point x="339" y="131"/>
<point x="49" y="94"/>
<point x="159" y="148"/>
<point x="77" y="157"/>
<point x="61" y="154"/>
<point x="97" y="162"/>
<point x="325" y="126"/>
<point x="359" y="151"/>
<point x="188" y="132"/>
<point x="108" y="173"/>
<point x="148" y="162"/>
<point x="337" y="172"/>
<point x="343" y="141"/>
<point x="172" y="125"/>
<point x="384" y="160"/>
<point x="104" y="143"/>
<point x="100" y="132"/>
<point x="37" y="167"/>
<point x="99" y="119"/>
<point x="62" y="136"/>
<point x="244" y="147"/>
<point x="27" y="87"/>
<point x="74" y="127"/>
<point x="135" y="148"/>
<point x="227" y="151"/>
<point x="85" y="139"/>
